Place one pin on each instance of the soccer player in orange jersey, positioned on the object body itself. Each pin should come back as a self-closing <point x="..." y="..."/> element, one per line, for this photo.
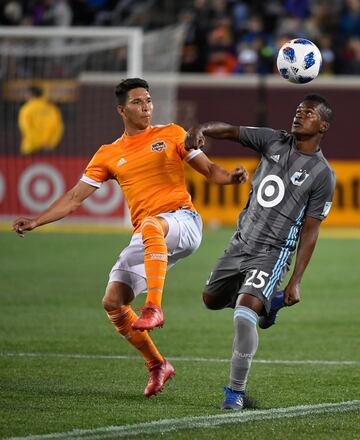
<point x="147" y="162"/>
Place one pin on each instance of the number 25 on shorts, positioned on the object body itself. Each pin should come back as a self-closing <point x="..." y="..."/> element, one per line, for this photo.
<point x="257" y="278"/>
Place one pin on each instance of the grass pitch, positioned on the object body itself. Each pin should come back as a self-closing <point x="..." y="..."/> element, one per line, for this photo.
<point x="64" y="368"/>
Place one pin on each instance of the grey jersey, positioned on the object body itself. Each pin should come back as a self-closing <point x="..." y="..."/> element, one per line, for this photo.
<point x="287" y="186"/>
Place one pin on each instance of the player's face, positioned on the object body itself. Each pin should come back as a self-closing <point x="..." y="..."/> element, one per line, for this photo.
<point x="307" y="120"/>
<point x="138" y="109"/>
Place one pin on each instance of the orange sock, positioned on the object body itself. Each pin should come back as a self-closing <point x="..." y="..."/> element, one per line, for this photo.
<point x="155" y="258"/>
<point x="122" y="319"/>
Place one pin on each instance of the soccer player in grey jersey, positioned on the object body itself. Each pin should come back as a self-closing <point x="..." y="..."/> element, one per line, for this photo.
<point x="291" y="193"/>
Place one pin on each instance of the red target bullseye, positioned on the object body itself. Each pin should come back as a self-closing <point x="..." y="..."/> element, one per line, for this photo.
<point x="39" y="186"/>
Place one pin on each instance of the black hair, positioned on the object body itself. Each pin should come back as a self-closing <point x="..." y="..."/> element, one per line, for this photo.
<point x="126" y="85"/>
<point x="36" y="91"/>
<point x="324" y="106"/>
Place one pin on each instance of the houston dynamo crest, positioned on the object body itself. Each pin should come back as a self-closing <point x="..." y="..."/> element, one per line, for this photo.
<point x="158" y="146"/>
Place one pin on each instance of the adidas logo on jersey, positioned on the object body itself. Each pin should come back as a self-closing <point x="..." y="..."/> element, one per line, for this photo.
<point x="121" y="162"/>
<point x="275" y="157"/>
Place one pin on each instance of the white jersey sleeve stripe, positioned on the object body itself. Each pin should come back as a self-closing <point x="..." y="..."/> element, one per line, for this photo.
<point x="90" y="181"/>
<point x="192" y="154"/>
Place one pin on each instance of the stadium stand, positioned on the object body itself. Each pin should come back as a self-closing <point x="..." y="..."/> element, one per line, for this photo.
<point x="223" y="36"/>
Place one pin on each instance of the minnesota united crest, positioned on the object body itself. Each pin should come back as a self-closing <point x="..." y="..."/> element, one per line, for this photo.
<point x="158" y="146"/>
<point x="299" y="177"/>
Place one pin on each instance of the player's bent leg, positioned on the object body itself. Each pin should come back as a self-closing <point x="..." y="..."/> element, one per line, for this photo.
<point x="116" y="303"/>
<point x="153" y="231"/>
<point x="244" y="348"/>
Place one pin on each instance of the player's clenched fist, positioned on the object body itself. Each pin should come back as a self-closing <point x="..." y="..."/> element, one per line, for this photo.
<point x="22" y="225"/>
<point x="239" y="175"/>
<point x="292" y="294"/>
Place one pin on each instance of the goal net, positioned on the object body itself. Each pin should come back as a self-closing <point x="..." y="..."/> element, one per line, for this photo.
<point x="76" y="70"/>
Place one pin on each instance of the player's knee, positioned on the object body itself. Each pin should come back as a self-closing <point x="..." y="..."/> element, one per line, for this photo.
<point x="251" y="302"/>
<point x="211" y="302"/>
<point x="107" y="304"/>
<point x="110" y="303"/>
<point x="117" y="295"/>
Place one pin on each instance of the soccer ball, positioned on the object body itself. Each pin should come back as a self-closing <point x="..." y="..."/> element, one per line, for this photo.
<point x="299" y="61"/>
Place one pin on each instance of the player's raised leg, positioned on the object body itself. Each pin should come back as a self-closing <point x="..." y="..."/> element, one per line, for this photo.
<point x="116" y="302"/>
<point x="153" y="232"/>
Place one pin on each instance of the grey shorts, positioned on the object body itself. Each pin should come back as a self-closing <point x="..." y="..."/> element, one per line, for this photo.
<point x="242" y="270"/>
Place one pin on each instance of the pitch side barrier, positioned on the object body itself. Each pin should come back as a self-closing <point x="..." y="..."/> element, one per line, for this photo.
<point x="35" y="185"/>
<point x="220" y="205"/>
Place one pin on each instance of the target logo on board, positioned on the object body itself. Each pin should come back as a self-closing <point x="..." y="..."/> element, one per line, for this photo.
<point x="39" y="186"/>
<point x="271" y="191"/>
<point x="105" y="199"/>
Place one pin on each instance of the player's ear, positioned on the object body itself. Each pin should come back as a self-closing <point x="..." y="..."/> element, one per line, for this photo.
<point x="120" y="110"/>
<point x="324" y="127"/>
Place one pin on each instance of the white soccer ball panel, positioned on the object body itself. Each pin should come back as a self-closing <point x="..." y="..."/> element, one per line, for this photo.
<point x="299" y="61"/>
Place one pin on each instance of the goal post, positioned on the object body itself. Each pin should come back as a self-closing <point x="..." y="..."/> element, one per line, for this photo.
<point x="132" y="37"/>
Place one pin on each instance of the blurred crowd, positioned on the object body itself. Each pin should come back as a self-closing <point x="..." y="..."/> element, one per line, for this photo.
<point x="223" y="36"/>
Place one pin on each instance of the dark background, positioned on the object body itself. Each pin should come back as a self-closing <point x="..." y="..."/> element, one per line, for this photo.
<point x="92" y="120"/>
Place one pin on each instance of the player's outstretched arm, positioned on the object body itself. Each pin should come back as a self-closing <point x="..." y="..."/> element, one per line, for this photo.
<point x="217" y="174"/>
<point x="195" y="136"/>
<point x="63" y="206"/>
<point x="308" y="238"/>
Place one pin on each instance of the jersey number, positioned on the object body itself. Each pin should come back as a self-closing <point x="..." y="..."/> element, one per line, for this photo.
<point x="257" y="278"/>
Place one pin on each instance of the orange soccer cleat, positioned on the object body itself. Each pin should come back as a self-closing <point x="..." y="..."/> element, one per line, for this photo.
<point x="158" y="375"/>
<point x="151" y="317"/>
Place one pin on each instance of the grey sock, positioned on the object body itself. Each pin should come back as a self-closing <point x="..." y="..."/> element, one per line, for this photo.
<point x="244" y="347"/>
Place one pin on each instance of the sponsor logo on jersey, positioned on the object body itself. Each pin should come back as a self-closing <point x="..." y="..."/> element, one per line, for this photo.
<point x="299" y="177"/>
<point x="121" y="162"/>
<point x="275" y="157"/>
<point x="271" y="191"/>
<point x="326" y="209"/>
<point x="158" y="146"/>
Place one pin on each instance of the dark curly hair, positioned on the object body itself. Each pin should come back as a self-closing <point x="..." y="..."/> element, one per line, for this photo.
<point x="322" y="104"/>
<point x="126" y="85"/>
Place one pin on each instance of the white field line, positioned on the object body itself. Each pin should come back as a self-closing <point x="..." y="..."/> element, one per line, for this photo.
<point x="160" y="427"/>
<point x="177" y="359"/>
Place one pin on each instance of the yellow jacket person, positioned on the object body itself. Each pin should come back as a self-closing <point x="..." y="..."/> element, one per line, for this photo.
<point x="40" y="123"/>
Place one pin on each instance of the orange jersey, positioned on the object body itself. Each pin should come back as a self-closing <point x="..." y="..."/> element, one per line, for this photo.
<point x="149" y="169"/>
